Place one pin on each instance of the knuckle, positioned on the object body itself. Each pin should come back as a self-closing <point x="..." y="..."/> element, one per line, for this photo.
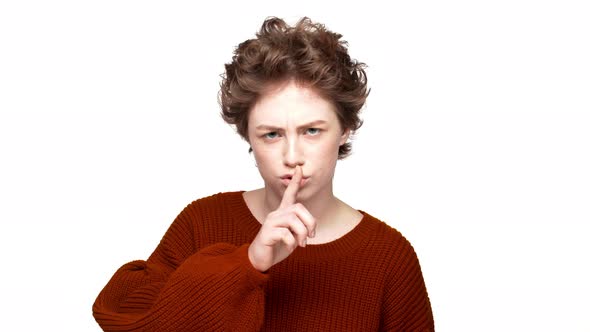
<point x="286" y="233"/>
<point x="293" y="219"/>
<point x="292" y="244"/>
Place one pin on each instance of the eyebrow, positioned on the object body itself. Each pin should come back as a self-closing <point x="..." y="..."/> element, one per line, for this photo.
<point x="269" y="127"/>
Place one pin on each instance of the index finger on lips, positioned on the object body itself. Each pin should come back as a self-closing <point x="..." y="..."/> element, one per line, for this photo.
<point x="290" y="194"/>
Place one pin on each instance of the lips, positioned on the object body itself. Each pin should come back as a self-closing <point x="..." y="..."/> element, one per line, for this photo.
<point x="287" y="180"/>
<point x="288" y="176"/>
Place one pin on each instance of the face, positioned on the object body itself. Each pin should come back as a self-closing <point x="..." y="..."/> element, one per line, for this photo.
<point x="292" y="125"/>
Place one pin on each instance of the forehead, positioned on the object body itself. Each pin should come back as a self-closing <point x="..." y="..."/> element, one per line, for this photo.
<point x="291" y="104"/>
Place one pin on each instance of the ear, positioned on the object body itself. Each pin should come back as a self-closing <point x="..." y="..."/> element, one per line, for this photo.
<point x="344" y="136"/>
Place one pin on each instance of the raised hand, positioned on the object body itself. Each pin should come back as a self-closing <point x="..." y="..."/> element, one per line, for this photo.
<point x="283" y="230"/>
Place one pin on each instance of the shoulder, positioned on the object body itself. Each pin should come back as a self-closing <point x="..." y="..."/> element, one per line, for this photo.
<point x="384" y="232"/>
<point x="218" y="199"/>
<point x="207" y="208"/>
<point x="393" y="245"/>
<point x="209" y="215"/>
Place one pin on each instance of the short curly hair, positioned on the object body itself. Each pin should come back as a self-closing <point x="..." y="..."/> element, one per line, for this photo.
<point x="308" y="53"/>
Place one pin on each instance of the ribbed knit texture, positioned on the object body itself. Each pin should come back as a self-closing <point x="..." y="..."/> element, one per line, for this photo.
<point x="200" y="278"/>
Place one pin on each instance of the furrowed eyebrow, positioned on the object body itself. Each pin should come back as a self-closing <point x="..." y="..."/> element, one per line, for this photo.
<point x="268" y="127"/>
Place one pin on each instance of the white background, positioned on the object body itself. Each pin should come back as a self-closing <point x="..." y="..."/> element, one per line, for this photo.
<point x="476" y="146"/>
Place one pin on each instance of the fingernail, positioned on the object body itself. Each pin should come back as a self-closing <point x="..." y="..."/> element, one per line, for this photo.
<point x="304" y="242"/>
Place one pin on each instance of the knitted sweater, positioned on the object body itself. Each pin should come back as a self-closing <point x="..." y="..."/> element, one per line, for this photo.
<point x="199" y="278"/>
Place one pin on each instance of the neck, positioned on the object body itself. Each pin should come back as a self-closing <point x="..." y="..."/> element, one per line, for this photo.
<point x="323" y="205"/>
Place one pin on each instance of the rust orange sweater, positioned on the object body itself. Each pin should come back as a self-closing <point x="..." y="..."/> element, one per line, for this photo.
<point x="199" y="278"/>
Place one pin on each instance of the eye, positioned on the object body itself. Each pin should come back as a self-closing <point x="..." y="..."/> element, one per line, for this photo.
<point x="317" y="131"/>
<point x="266" y="135"/>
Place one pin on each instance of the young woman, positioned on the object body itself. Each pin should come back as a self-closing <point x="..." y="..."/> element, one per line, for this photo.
<point x="290" y="256"/>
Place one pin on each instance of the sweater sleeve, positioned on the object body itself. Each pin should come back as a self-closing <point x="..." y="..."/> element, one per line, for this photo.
<point x="215" y="288"/>
<point x="406" y="303"/>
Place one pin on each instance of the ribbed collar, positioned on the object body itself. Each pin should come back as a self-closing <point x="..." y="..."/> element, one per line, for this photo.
<point x="357" y="238"/>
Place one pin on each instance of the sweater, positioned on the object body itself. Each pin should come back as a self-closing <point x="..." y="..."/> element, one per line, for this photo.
<point x="199" y="278"/>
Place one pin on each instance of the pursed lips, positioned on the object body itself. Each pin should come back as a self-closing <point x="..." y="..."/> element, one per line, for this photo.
<point x="291" y="176"/>
<point x="286" y="179"/>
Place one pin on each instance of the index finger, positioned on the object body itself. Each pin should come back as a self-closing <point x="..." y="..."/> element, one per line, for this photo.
<point x="290" y="194"/>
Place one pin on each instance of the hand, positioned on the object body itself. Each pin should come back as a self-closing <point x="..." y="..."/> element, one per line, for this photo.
<point x="283" y="230"/>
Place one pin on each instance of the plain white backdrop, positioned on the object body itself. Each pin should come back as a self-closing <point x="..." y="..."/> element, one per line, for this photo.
<point x="476" y="146"/>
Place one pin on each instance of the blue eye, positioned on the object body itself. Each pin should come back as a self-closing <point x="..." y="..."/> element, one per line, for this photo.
<point x="266" y="135"/>
<point x="316" y="129"/>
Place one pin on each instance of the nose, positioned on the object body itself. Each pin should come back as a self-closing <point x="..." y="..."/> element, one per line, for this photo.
<point x="293" y="154"/>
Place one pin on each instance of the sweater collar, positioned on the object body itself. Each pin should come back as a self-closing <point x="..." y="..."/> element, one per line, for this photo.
<point x="354" y="240"/>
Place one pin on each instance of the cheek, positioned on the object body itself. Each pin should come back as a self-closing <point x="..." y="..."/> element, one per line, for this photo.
<point x="266" y="161"/>
<point x="329" y="149"/>
<point x="265" y="154"/>
<point x="325" y="158"/>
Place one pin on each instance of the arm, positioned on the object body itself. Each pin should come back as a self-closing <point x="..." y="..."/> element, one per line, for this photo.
<point x="177" y="289"/>
<point x="406" y="306"/>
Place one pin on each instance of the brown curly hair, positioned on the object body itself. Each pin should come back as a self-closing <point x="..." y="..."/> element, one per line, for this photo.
<point x="308" y="53"/>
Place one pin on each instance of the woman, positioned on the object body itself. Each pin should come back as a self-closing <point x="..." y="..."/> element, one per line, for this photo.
<point x="291" y="255"/>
